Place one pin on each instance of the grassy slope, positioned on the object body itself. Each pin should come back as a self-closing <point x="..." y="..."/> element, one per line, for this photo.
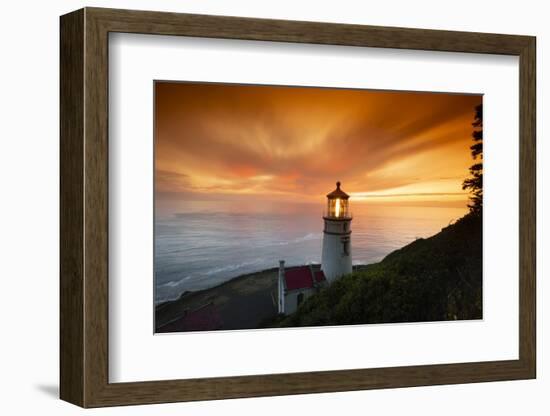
<point x="433" y="279"/>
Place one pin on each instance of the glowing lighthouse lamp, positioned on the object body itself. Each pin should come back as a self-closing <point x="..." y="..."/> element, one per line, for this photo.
<point x="336" y="256"/>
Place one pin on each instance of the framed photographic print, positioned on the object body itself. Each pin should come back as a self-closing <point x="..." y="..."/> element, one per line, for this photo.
<point x="256" y="207"/>
<point x="243" y="236"/>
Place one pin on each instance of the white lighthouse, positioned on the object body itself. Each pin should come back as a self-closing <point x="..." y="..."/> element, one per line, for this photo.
<point x="336" y="257"/>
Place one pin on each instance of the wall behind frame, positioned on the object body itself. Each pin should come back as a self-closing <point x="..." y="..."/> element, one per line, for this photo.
<point x="29" y="169"/>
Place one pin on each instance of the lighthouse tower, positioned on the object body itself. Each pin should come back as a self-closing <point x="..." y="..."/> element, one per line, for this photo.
<point x="336" y="257"/>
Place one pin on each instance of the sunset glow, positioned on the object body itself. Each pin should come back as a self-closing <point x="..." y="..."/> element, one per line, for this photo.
<point x="226" y="142"/>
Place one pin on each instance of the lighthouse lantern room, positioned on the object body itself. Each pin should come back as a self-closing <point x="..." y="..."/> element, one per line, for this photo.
<point x="336" y="256"/>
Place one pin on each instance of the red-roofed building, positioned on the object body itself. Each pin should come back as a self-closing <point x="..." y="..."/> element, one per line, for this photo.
<point x="296" y="284"/>
<point x="205" y="318"/>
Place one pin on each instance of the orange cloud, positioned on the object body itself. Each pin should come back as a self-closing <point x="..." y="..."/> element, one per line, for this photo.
<point x="218" y="140"/>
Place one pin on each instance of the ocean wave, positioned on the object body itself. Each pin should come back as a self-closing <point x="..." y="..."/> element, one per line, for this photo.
<point x="307" y="237"/>
<point x="210" y="272"/>
<point x="175" y="283"/>
<point x="230" y="267"/>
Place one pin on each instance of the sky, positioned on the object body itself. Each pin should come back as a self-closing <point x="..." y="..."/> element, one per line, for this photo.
<point x="232" y="141"/>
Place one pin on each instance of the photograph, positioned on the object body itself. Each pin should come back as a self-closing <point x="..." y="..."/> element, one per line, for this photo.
<point x="279" y="206"/>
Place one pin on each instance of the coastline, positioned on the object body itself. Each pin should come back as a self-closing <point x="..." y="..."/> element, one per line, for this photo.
<point x="243" y="302"/>
<point x="431" y="279"/>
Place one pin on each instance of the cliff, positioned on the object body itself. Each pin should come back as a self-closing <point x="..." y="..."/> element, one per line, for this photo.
<point x="433" y="279"/>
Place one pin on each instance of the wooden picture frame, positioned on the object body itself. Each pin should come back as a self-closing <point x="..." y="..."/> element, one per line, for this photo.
<point x="84" y="207"/>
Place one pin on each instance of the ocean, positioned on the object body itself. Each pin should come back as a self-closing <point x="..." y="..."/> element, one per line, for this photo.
<point x="200" y="244"/>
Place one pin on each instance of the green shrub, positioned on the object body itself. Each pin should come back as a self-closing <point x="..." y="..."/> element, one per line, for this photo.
<point x="433" y="279"/>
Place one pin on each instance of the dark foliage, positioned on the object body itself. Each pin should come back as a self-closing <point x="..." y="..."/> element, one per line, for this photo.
<point x="475" y="182"/>
<point x="433" y="279"/>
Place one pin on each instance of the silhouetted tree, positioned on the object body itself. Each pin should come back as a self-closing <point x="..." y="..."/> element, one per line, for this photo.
<point x="475" y="182"/>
